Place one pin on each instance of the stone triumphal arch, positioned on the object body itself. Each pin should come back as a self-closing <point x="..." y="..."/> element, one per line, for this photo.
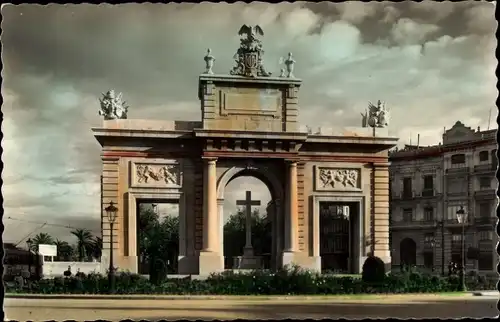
<point x="329" y="189"/>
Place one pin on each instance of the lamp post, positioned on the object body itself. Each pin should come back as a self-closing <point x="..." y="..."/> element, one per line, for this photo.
<point x="441" y="225"/>
<point x="433" y="247"/>
<point x="462" y="217"/>
<point x="111" y="211"/>
<point x="29" y="243"/>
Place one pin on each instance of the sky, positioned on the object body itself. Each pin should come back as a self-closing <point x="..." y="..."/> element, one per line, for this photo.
<point x="433" y="63"/>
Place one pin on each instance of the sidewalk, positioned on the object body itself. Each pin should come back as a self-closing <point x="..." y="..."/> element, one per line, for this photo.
<point x="486" y="293"/>
<point x="346" y="297"/>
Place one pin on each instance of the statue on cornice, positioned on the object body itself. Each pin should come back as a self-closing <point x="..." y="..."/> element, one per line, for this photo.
<point x="112" y="106"/>
<point x="249" y="57"/>
<point x="376" y="116"/>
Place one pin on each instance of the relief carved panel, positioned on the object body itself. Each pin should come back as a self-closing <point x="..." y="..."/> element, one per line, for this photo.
<point x="337" y="179"/>
<point x="156" y="175"/>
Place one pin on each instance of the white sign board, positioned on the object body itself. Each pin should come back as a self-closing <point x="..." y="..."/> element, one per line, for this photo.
<point x="47" y="250"/>
<point x="345" y="211"/>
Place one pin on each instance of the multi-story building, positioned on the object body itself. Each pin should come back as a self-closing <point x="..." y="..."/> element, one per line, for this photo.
<point x="428" y="186"/>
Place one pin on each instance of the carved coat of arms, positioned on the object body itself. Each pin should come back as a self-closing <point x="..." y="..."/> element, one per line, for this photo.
<point x="249" y="57"/>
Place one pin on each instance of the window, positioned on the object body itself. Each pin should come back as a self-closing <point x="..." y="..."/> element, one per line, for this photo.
<point x="485" y="235"/>
<point x="407" y="189"/>
<point x="429" y="240"/>
<point x="457" y="185"/>
<point x="429" y="260"/>
<point x="428" y="182"/>
<point x="483" y="156"/>
<point x="484" y="183"/>
<point x="428" y="214"/>
<point x="456" y="242"/>
<point x="485" y="261"/>
<point x="494" y="160"/>
<point x="407" y="214"/>
<point x="458" y="159"/>
<point x="485" y="210"/>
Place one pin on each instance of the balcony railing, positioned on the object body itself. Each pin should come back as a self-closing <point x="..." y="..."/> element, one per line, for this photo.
<point x="486" y="167"/>
<point x="485" y="193"/>
<point x="403" y="195"/>
<point x="428" y="193"/>
<point x="457" y="170"/>
<point x="485" y="220"/>
<point x="412" y="223"/>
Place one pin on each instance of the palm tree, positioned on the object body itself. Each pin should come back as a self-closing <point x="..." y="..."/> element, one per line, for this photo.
<point x="84" y="242"/>
<point x="64" y="250"/>
<point x="41" y="239"/>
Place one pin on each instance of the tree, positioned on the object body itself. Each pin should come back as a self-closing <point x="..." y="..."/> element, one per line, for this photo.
<point x="158" y="243"/>
<point x="41" y="239"/>
<point x="64" y="250"/>
<point x="84" y="243"/>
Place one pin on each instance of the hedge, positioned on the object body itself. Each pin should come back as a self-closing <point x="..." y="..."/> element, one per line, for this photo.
<point x="290" y="281"/>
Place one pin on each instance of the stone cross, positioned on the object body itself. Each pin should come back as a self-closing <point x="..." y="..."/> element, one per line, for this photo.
<point x="248" y="203"/>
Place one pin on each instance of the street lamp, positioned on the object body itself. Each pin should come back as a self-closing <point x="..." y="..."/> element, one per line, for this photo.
<point x="111" y="211"/>
<point x="462" y="217"/>
<point x="29" y="243"/>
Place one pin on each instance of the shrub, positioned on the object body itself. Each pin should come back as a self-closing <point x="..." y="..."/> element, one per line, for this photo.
<point x="286" y="281"/>
<point x="373" y="270"/>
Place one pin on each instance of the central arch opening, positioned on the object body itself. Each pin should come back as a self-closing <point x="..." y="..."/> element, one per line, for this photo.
<point x="249" y="210"/>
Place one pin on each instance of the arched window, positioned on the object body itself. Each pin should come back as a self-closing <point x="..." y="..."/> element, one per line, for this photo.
<point x="484" y="156"/>
<point x="408" y="252"/>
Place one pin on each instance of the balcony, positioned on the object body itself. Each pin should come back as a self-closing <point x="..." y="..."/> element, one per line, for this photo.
<point x="457" y="170"/>
<point x="485" y="193"/>
<point x="485" y="221"/>
<point x="453" y="223"/>
<point x="404" y="195"/>
<point x="412" y="224"/>
<point x="428" y="193"/>
<point x="485" y="168"/>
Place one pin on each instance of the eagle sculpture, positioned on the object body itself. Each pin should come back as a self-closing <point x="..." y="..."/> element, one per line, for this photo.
<point x="250" y="31"/>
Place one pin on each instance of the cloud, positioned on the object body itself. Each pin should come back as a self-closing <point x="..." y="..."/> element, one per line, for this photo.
<point x="59" y="59"/>
<point x="408" y="32"/>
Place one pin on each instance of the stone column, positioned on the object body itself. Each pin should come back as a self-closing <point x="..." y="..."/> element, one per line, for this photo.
<point x="210" y="216"/>
<point x="292" y="217"/>
<point x="380" y="210"/>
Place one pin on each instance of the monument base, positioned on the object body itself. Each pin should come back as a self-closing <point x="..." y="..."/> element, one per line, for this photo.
<point x="247" y="262"/>
<point x="210" y="262"/>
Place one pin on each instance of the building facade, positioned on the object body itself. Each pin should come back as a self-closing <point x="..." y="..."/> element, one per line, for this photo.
<point x="428" y="185"/>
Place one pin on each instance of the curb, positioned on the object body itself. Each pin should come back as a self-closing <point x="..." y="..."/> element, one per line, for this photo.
<point x="213" y="297"/>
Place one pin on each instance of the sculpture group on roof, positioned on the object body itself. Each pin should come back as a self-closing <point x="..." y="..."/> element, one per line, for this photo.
<point x="249" y="57"/>
<point x="112" y="106"/>
<point x="376" y="116"/>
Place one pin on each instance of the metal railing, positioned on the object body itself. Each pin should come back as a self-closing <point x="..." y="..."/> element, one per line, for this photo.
<point x="486" y="167"/>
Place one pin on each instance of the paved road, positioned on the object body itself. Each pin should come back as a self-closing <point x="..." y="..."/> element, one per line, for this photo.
<point x="116" y="310"/>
